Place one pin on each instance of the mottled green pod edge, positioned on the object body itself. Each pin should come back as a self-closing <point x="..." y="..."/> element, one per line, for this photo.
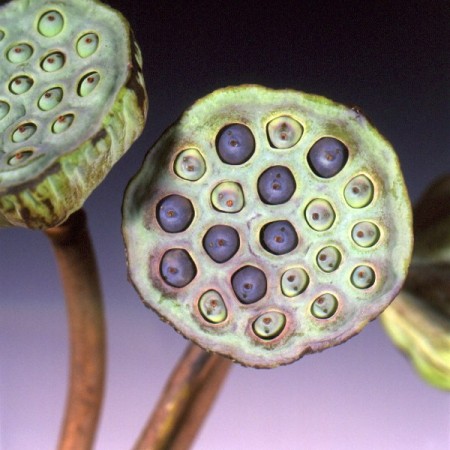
<point x="54" y="192"/>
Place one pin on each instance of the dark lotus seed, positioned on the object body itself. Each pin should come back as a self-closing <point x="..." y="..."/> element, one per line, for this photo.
<point x="177" y="268"/>
<point x="276" y="185"/>
<point x="327" y="157"/>
<point x="249" y="284"/>
<point x="279" y="237"/>
<point x="174" y="213"/>
<point x="221" y="242"/>
<point x="235" y="144"/>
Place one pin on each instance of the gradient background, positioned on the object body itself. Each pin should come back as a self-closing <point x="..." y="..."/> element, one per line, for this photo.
<point x="391" y="61"/>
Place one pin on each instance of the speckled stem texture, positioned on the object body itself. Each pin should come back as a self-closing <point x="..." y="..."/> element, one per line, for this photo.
<point x="76" y="262"/>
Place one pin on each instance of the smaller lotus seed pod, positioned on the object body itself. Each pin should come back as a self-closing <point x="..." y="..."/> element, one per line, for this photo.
<point x="327" y="157"/>
<point x="279" y="237"/>
<point x="88" y="83"/>
<point x="324" y="306"/>
<point x="276" y="185"/>
<point x="365" y="234"/>
<point x="50" y="99"/>
<point x="4" y="109"/>
<point x="19" y="53"/>
<point x="174" y="213"/>
<point x="62" y="123"/>
<point x="51" y="23"/>
<point x="294" y="282"/>
<point x="53" y="62"/>
<point x="212" y="307"/>
<point x="20" y="157"/>
<point x="23" y="132"/>
<point x="177" y="268"/>
<point x="249" y="284"/>
<point x="221" y="242"/>
<point x="359" y="192"/>
<point x="87" y="45"/>
<point x="228" y="197"/>
<point x="284" y="132"/>
<point x="320" y="215"/>
<point x="363" y="277"/>
<point x="235" y="144"/>
<point x="269" y="325"/>
<point x="329" y="259"/>
<point x="20" y="85"/>
<point x="190" y="165"/>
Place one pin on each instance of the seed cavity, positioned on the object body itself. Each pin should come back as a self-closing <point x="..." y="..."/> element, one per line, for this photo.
<point x="62" y="123"/>
<point x="87" y="45"/>
<point x="325" y="306"/>
<point x="228" y="197"/>
<point x="51" y="24"/>
<point x="23" y="132"/>
<point x="320" y="215"/>
<point x="294" y="282"/>
<point x="359" y="192"/>
<point x="50" y="99"/>
<point x="4" y="109"/>
<point x="284" y="132"/>
<point x="249" y="284"/>
<point x="190" y="165"/>
<point x="20" y="157"/>
<point x="365" y="234"/>
<point x="328" y="259"/>
<point x="88" y="83"/>
<point x="269" y="325"/>
<point x="235" y="144"/>
<point x="363" y="277"/>
<point x="212" y="307"/>
<point x="327" y="157"/>
<point x="221" y="242"/>
<point x="174" y="213"/>
<point x="279" y="237"/>
<point x="19" y="53"/>
<point x="53" y="62"/>
<point x="276" y="185"/>
<point x="20" y="85"/>
<point x="177" y="268"/>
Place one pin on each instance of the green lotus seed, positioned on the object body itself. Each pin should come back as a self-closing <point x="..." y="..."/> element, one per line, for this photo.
<point x="62" y="123"/>
<point x="190" y="165"/>
<point x="88" y="84"/>
<point x="50" y="99"/>
<point x="20" y="157"/>
<point x="212" y="307"/>
<point x="284" y="132"/>
<point x="324" y="306"/>
<point x="19" y="53"/>
<point x="53" y="62"/>
<point x="50" y="24"/>
<point x="365" y="234"/>
<point x="320" y="215"/>
<point x="87" y="45"/>
<point x="294" y="281"/>
<point x="329" y="258"/>
<point x="228" y="197"/>
<point x="363" y="277"/>
<point x="359" y="192"/>
<point x="23" y="132"/>
<point x="20" y="85"/>
<point x="269" y="325"/>
<point x="4" y="109"/>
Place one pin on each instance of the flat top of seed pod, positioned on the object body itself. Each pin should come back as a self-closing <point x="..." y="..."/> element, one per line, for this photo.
<point x="293" y="241"/>
<point x="64" y="64"/>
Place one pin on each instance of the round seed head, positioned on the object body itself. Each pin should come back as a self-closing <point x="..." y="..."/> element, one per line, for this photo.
<point x="278" y="271"/>
<point x="279" y="237"/>
<point x="327" y="157"/>
<point x="276" y="185"/>
<point x="221" y="242"/>
<point x="177" y="268"/>
<point x="72" y="102"/>
<point x="235" y="144"/>
<point x="174" y="213"/>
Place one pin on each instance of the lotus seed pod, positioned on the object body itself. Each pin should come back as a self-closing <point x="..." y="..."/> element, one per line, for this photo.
<point x="293" y="286"/>
<point x="72" y="101"/>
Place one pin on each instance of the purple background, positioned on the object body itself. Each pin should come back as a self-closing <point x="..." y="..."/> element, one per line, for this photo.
<point x="391" y="61"/>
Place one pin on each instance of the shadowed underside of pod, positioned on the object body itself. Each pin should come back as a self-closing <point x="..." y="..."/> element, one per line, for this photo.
<point x="72" y="101"/>
<point x="267" y="224"/>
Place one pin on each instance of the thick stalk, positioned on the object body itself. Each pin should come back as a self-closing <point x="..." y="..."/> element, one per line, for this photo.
<point x="78" y="269"/>
<point x="185" y="401"/>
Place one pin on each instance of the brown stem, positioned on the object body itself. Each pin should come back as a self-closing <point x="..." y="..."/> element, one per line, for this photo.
<point x="185" y="402"/>
<point x="76" y="262"/>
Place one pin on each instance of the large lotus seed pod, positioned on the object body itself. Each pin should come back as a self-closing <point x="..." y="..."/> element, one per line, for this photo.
<point x="418" y="320"/>
<point x="305" y="199"/>
<point x="72" y="101"/>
